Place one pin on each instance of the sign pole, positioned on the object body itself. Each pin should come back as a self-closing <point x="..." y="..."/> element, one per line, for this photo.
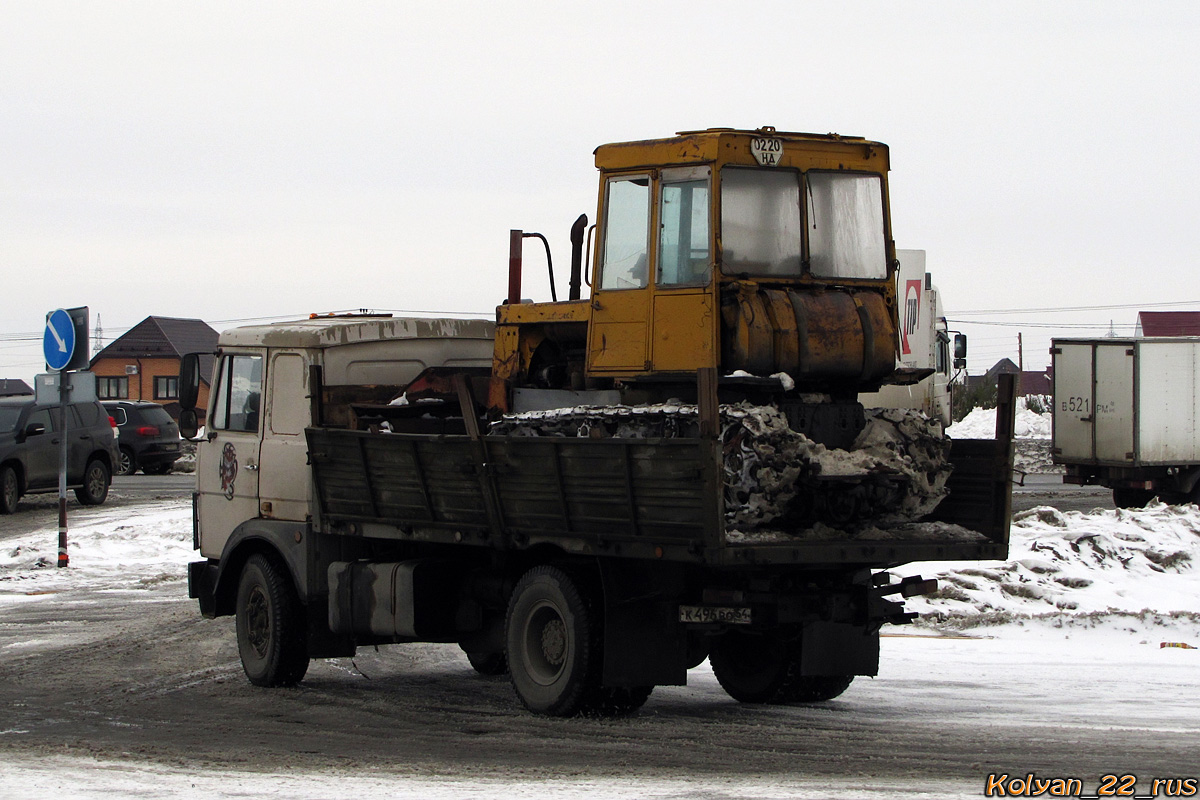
<point x="60" y="345"/>
<point x="63" y="557"/>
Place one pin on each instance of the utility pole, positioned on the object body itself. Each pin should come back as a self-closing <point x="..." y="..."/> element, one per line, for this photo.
<point x="1020" y="362"/>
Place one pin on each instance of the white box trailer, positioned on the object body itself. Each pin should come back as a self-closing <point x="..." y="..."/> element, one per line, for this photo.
<point x="1125" y="416"/>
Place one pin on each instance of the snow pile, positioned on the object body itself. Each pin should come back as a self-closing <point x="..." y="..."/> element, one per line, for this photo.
<point x="981" y="424"/>
<point x="1130" y="562"/>
<point x="134" y="549"/>
<point x="896" y="469"/>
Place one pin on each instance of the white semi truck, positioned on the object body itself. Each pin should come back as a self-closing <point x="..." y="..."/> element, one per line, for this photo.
<point x="924" y="344"/>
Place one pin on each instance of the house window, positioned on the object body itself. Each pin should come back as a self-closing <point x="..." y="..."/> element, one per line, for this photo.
<point x="166" y="387"/>
<point x="112" y="388"/>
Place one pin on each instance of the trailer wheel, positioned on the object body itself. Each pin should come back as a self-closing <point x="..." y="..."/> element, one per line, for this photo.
<point x="552" y="656"/>
<point x="488" y="663"/>
<point x="270" y="625"/>
<point x="1131" y="498"/>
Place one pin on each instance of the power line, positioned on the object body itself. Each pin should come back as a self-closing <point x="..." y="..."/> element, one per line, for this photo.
<point x="1057" y="309"/>
<point x="1061" y="325"/>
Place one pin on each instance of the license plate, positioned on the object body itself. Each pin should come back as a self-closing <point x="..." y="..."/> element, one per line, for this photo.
<point x="733" y="616"/>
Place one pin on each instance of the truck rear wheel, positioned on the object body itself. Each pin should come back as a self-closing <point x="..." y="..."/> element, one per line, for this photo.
<point x="550" y="640"/>
<point x="488" y="663"/>
<point x="270" y="625"/>
<point x="766" y="669"/>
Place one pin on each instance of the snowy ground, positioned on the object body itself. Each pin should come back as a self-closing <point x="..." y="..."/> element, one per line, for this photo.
<point x="1034" y="654"/>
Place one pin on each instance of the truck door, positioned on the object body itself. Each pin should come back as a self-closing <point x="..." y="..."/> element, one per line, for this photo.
<point x="619" y="331"/>
<point x="283" y="479"/>
<point x="1112" y="403"/>
<point x="228" y="461"/>
<point x="1073" y="401"/>
<point x="684" y="322"/>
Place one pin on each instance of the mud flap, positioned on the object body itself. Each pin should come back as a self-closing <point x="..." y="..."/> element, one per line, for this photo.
<point x="644" y="644"/>
<point x="835" y="648"/>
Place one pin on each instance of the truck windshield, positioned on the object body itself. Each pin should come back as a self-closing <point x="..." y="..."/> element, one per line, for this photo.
<point x="845" y="226"/>
<point x="760" y="221"/>
<point x="761" y="227"/>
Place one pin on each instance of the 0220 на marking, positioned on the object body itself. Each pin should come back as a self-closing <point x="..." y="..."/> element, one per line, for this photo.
<point x="1030" y="785"/>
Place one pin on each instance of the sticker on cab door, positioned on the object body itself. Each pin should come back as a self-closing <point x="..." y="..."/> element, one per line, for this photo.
<point x="229" y="469"/>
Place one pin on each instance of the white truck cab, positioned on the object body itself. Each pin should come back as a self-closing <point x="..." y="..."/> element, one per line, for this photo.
<point x="924" y="343"/>
<point x="267" y="388"/>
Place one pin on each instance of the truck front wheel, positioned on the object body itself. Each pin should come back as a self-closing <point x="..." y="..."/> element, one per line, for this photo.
<point x="549" y="637"/>
<point x="270" y="625"/>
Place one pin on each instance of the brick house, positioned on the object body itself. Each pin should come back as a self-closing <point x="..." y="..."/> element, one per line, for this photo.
<point x="143" y="364"/>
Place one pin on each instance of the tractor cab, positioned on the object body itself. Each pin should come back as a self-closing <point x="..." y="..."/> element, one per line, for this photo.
<point x="758" y="253"/>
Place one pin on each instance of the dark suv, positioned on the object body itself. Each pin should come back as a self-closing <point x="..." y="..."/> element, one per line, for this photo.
<point x="149" y="438"/>
<point x="31" y="450"/>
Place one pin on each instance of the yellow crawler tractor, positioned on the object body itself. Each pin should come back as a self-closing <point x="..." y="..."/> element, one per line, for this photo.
<point x="764" y="255"/>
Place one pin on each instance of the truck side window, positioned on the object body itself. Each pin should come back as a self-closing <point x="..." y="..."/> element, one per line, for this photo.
<point x="625" y="262"/>
<point x="683" y="253"/>
<point x="239" y="387"/>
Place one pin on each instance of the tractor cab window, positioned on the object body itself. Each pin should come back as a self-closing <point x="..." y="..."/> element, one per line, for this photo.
<point x="760" y="222"/>
<point x="845" y="226"/>
<point x="239" y="390"/>
<point x="683" y="249"/>
<point x="625" y="263"/>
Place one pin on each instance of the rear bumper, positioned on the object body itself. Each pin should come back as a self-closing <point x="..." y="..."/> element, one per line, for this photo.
<point x="159" y="455"/>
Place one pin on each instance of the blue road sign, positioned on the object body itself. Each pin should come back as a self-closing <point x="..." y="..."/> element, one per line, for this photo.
<point x="58" y="343"/>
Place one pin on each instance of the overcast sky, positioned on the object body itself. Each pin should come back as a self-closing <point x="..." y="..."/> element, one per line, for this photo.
<point x="236" y="161"/>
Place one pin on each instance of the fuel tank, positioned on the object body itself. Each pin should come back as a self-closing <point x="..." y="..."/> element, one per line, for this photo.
<point x="822" y="339"/>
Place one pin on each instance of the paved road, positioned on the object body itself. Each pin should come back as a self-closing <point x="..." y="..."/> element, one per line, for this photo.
<point x="39" y="512"/>
<point x="1049" y="490"/>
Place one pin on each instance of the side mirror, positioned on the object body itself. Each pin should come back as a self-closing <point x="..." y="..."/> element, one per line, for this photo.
<point x="189" y="381"/>
<point x="189" y="424"/>
<point x="34" y="429"/>
<point x="960" y="350"/>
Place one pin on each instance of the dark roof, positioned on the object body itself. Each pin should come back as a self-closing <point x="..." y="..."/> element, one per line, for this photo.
<point x="1004" y="366"/>
<point x="1169" y="323"/>
<point x="162" y="337"/>
<point x="1036" y="383"/>
<point x="13" y="387"/>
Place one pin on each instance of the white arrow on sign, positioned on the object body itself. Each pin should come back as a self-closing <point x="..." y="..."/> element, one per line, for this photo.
<point x="62" y="343"/>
